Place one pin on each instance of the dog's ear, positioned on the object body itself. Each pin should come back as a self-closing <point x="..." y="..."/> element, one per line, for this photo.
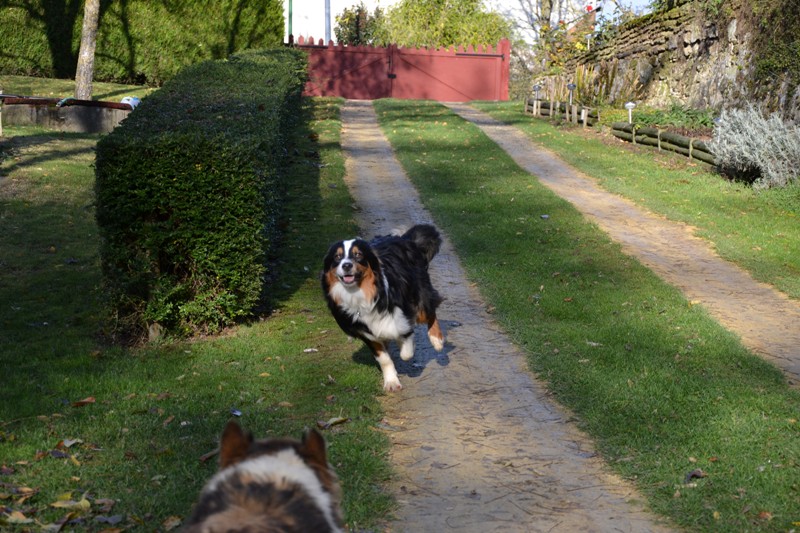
<point x="313" y="448"/>
<point x="234" y="445"/>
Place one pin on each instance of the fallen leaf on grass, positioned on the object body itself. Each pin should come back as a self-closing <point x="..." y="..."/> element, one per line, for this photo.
<point x="171" y="523"/>
<point x="81" y="505"/>
<point x="206" y="456"/>
<point x="15" y="517"/>
<point x="335" y="421"/>
<point x="85" y="401"/>
<point x="765" y="515"/>
<point x="105" y="504"/>
<point x="25" y="493"/>
<point x="58" y="525"/>
<point x="696" y="473"/>
<point x="167" y="421"/>
<point x="110" y="520"/>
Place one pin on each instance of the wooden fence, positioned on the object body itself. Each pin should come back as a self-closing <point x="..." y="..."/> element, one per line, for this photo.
<point x="446" y="75"/>
<point x="575" y="113"/>
<point x="663" y="140"/>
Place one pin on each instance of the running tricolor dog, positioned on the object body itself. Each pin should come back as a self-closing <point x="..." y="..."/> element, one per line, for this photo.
<point x="378" y="290"/>
<point x="269" y="485"/>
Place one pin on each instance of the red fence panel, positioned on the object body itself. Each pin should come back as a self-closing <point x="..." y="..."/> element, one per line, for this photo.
<point x="368" y="73"/>
<point x="357" y="72"/>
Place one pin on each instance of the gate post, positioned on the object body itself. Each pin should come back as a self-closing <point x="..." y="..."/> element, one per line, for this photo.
<point x="504" y="49"/>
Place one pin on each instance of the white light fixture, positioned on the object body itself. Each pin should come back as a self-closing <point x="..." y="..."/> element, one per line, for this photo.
<point x="629" y="106"/>
<point x="536" y="89"/>
<point x="571" y="87"/>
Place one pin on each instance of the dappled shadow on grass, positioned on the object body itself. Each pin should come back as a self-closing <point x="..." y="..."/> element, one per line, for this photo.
<point x="40" y="148"/>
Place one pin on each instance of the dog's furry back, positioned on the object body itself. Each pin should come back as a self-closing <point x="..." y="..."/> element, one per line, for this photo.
<point x="424" y="236"/>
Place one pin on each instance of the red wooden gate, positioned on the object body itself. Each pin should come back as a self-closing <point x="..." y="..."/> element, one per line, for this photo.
<point x="368" y="73"/>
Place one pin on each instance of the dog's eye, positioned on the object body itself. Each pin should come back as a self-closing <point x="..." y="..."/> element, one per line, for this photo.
<point x="358" y="256"/>
<point x="338" y="257"/>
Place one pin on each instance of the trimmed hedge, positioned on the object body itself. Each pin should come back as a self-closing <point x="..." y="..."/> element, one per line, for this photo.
<point x="138" y="40"/>
<point x="187" y="194"/>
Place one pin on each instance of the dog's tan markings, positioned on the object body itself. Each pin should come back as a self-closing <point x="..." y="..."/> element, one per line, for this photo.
<point x="367" y="284"/>
<point x="332" y="280"/>
<point x="434" y="330"/>
<point x="234" y="446"/>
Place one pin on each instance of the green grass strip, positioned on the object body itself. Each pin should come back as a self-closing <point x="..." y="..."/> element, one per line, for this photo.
<point x="756" y="230"/>
<point x="660" y="386"/>
<point x="157" y="410"/>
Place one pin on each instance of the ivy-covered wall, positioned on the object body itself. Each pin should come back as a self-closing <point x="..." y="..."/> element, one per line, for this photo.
<point x="143" y="41"/>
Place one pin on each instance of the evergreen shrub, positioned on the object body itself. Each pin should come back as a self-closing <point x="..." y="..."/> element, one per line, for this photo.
<point x="752" y="146"/>
<point x="188" y="194"/>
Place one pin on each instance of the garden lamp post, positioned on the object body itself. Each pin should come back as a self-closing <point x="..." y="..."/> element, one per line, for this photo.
<point x="571" y="87"/>
<point x="537" y="105"/>
<point x="629" y="106"/>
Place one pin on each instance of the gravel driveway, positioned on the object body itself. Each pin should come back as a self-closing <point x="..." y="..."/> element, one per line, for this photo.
<point x="477" y="445"/>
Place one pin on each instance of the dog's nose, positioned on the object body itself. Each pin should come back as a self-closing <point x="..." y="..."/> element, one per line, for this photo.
<point x="347" y="266"/>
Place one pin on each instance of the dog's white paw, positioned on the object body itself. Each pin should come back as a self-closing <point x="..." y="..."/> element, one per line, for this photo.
<point x="407" y="349"/>
<point x="392" y="385"/>
<point x="437" y="342"/>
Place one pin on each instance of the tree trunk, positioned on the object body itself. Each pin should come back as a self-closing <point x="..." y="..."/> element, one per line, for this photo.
<point x="85" y="71"/>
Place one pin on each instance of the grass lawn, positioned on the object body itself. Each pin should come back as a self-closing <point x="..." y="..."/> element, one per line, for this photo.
<point x="107" y="437"/>
<point x="56" y="88"/>
<point x="756" y="230"/>
<point x="708" y="431"/>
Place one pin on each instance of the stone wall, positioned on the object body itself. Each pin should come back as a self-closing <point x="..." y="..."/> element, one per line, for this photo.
<point x="680" y="57"/>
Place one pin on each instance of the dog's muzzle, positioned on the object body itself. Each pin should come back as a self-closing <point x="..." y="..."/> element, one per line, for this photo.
<point x="347" y="273"/>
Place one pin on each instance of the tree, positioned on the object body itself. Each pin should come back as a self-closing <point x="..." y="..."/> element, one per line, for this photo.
<point x="443" y="23"/>
<point x="85" y="71"/>
<point x="355" y="26"/>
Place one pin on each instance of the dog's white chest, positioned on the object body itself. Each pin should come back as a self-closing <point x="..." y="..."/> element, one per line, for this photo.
<point x="387" y="325"/>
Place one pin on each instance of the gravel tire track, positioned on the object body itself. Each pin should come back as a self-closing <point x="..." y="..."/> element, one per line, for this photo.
<point x="477" y="445"/>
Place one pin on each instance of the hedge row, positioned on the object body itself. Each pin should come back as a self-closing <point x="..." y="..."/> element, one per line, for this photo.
<point x="187" y="194"/>
<point x="138" y="40"/>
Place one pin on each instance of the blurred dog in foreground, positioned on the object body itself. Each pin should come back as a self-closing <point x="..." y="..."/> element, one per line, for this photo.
<point x="270" y="485"/>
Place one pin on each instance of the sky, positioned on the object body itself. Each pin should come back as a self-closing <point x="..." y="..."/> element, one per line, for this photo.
<point x="308" y="16"/>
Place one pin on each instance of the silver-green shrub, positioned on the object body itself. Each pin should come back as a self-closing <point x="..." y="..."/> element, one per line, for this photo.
<point x="751" y="145"/>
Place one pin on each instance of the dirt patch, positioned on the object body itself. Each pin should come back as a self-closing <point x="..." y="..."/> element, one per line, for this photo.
<point x="477" y="445"/>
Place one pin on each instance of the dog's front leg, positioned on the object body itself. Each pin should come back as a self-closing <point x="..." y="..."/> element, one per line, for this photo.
<point x="434" y="330"/>
<point x="391" y="383"/>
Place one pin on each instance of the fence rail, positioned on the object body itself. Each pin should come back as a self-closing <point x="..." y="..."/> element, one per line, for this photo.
<point x="663" y="140"/>
<point x="576" y="113"/>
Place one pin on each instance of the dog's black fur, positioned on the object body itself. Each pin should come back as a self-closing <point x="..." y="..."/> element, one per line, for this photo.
<point x="378" y="290"/>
